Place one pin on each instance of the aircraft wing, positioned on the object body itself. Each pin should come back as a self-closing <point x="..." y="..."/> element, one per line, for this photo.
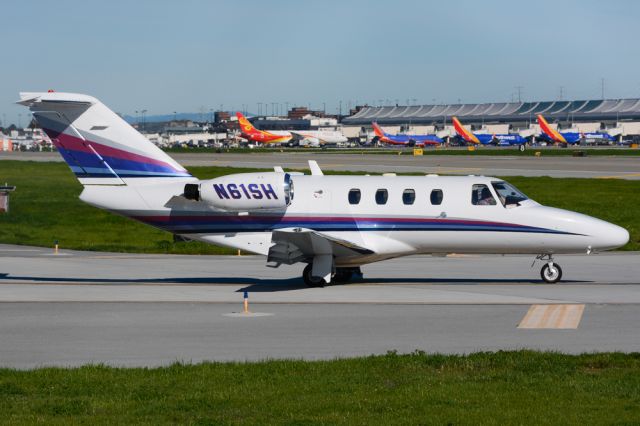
<point x="292" y="245"/>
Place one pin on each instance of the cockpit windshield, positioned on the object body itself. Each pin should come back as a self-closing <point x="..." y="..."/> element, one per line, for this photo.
<point x="509" y="195"/>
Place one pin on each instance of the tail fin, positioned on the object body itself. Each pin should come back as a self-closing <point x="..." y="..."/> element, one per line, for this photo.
<point x="549" y="131"/>
<point x="378" y="130"/>
<point x="245" y="125"/>
<point x="464" y="133"/>
<point x="99" y="146"/>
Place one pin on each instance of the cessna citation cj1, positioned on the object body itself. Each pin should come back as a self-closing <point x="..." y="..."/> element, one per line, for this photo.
<point x="334" y="224"/>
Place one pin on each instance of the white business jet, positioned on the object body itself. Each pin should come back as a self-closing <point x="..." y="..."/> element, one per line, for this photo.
<point x="334" y="224"/>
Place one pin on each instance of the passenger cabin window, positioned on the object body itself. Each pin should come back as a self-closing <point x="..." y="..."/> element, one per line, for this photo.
<point x="436" y="197"/>
<point x="509" y="195"/>
<point x="408" y="196"/>
<point x="481" y="196"/>
<point x="382" y="195"/>
<point x="354" y="196"/>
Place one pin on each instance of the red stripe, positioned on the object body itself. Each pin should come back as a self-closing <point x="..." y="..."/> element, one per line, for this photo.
<point x="77" y="144"/>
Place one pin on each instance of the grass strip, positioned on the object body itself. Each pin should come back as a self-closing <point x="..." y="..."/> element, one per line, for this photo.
<point x="523" y="387"/>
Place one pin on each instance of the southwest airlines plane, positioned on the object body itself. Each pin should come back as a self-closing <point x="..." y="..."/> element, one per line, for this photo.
<point x="569" y="137"/>
<point x="487" y="139"/>
<point x="405" y="140"/>
<point x="331" y="224"/>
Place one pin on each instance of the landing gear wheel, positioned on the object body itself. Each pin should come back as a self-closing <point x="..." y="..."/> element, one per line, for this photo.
<point x="521" y="148"/>
<point x="345" y="275"/>
<point x="551" y="273"/>
<point x="312" y="281"/>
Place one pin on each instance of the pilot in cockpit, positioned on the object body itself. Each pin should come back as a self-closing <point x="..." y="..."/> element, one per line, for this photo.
<point x="486" y="199"/>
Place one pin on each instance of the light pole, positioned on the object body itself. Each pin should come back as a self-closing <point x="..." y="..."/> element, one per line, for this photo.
<point x="519" y="89"/>
<point x="144" y="111"/>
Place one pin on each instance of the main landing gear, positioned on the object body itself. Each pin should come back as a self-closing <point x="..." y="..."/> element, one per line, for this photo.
<point x="551" y="272"/>
<point x="342" y="275"/>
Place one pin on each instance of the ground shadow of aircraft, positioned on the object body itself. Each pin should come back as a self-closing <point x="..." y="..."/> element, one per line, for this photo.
<point x="258" y="285"/>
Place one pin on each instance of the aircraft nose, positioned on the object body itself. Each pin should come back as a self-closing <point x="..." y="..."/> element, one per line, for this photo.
<point x="610" y="236"/>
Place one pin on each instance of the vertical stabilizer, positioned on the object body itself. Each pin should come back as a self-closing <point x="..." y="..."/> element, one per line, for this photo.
<point x="245" y="125"/>
<point x="464" y="133"/>
<point x="378" y="130"/>
<point x="99" y="146"/>
<point x="549" y="131"/>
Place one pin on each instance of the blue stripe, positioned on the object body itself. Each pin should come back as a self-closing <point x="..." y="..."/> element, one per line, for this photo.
<point x="185" y="227"/>
<point x="85" y="164"/>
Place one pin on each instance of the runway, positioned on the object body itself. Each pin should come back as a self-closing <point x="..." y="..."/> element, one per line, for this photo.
<point x="610" y="167"/>
<point x="146" y="310"/>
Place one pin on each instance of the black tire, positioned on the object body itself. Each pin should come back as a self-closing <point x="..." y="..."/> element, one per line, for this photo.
<point x="342" y="275"/>
<point x="521" y="148"/>
<point x="311" y="281"/>
<point x="549" y="276"/>
<point x="345" y="275"/>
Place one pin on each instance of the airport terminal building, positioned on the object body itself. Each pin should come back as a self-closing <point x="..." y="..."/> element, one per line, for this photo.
<point x="623" y="115"/>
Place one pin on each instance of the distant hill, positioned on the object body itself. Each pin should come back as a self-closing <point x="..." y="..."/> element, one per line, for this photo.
<point x="193" y="116"/>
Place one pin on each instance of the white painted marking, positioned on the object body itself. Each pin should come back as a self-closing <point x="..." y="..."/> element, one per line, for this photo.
<point x="552" y="317"/>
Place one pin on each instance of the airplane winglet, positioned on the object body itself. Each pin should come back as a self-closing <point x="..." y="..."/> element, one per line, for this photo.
<point x="315" y="169"/>
<point x="278" y="169"/>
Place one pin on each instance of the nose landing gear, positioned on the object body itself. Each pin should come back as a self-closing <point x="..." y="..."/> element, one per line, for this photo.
<point x="551" y="272"/>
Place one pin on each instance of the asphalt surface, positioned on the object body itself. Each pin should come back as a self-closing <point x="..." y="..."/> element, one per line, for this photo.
<point x="583" y="167"/>
<point x="75" y="308"/>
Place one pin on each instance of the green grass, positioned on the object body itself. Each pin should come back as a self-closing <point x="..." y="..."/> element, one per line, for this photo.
<point x="485" y="388"/>
<point x="45" y="208"/>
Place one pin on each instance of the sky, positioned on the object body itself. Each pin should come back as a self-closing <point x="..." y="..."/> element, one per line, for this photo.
<point x="191" y="56"/>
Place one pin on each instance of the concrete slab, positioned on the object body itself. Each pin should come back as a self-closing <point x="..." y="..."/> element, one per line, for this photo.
<point x="147" y="310"/>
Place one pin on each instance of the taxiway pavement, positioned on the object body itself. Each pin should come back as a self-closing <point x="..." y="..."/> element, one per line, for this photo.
<point x="619" y="167"/>
<point x="145" y="310"/>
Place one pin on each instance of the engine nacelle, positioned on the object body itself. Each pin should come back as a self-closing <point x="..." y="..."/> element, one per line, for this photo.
<point x="244" y="191"/>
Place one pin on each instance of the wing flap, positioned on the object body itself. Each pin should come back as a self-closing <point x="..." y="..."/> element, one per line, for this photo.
<point x="292" y="245"/>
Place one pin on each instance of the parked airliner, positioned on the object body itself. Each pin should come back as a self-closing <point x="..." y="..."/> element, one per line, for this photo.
<point x="488" y="139"/>
<point x="569" y="137"/>
<point x="318" y="137"/>
<point x="404" y="139"/>
<point x="250" y="133"/>
<point x="333" y="224"/>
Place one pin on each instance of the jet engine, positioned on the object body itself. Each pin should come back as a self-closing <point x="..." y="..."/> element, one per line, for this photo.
<point x="244" y="191"/>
